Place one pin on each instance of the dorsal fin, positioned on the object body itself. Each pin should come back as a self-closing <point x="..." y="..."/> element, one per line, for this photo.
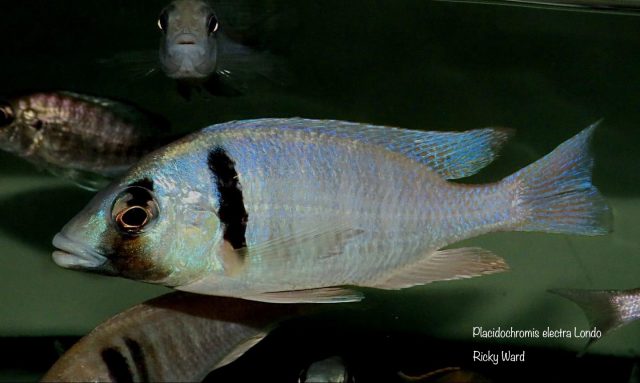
<point x="451" y="154"/>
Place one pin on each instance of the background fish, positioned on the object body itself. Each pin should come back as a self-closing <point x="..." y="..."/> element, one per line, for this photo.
<point x="178" y="337"/>
<point x="195" y="48"/>
<point x="86" y="139"/>
<point x="280" y="209"/>
<point x="605" y="309"/>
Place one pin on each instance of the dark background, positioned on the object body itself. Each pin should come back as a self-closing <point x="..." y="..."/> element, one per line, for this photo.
<point x="413" y="64"/>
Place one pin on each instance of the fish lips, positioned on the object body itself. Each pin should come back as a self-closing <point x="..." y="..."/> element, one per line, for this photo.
<point x="186" y="58"/>
<point x="74" y="255"/>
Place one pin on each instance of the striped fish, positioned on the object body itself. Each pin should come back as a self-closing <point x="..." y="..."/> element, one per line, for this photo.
<point x="294" y="210"/>
<point x="178" y="337"/>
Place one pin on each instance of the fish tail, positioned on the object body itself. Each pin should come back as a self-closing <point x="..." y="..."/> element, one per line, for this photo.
<point x="555" y="194"/>
<point x="603" y="308"/>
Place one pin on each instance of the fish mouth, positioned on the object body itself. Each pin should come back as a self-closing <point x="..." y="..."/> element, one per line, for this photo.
<point x="74" y="255"/>
<point x="186" y="39"/>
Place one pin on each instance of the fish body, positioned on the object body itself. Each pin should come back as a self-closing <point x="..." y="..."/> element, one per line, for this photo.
<point x="178" y="337"/>
<point x="86" y="139"/>
<point x="606" y="310"/>
<point x="289" y="210"/>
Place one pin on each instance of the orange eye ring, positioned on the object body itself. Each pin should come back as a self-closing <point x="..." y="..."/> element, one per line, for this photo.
<point x="134" y="210"/>
<point x="133" y="219"/>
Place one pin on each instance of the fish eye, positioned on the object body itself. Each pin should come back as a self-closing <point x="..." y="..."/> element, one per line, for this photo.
<point x="212" y="24"/>
<point x="163" y="20"/>
<point x="6" y="114"/>
<point x="132" y="218"/>
<point x="134" y="209"/>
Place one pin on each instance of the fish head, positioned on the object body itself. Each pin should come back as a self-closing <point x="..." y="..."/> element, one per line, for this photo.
<point x="24" y="120"/>
<point x="188" y="47"/>
<point x="159" y="230"/>
<point x="11" y="138"/>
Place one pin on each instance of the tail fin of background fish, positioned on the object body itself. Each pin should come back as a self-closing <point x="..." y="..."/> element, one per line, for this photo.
<point x="556" y="194"/>
<point x="605" y="309"/>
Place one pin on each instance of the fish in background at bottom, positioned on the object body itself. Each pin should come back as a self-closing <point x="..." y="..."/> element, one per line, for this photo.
<point x="178" y="337"/>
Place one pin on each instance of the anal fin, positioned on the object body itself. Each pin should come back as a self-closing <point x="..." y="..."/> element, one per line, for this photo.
<point x="320" y="295"/>
<point x="443" y="265"/>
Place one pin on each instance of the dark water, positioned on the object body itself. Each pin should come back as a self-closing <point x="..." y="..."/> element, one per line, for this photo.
<point x="413" y="64"/>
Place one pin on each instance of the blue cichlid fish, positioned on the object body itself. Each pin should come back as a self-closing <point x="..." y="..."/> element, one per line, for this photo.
<point x="606" y="310"/>
<point x="178" y="337"/>
<point x="88" y="140"/>
<point x="293" y="210"/>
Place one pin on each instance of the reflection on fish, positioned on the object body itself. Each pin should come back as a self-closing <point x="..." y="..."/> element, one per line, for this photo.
<point x="85" y="139"/>
<point x="629" y="7"/>
<point x="330" y="370"/>
<point x="195" y="49"/>
<point x="178" y="337"/>
<point x="292" y="210"/>
<point x="606" y="310"/>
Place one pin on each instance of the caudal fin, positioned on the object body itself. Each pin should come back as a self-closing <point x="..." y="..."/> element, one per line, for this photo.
<point x="555" y="193"/>
<point x="605" y="309"/>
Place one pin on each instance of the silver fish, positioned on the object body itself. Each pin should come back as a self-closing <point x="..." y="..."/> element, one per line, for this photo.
<point x="178" y="337"/>
<point x="88" y="140"/>
<point x="329" y="370"/>
<point x="292" y="210"/>
<point x="196" y="49"/>
<point x="606" y="310"/>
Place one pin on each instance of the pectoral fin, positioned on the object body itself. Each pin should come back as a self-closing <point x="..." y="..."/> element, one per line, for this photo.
<point x="327" y="241"/>
<point x="321" y="295"/>
<point x="279" y="253"/>
<point x="330" y="240"/>
<point x="444" y="265"/>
